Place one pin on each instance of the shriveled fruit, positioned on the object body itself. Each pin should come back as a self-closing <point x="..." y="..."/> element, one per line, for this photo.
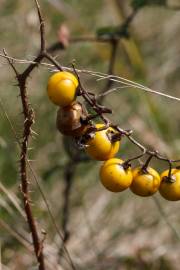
<point x="69" y="119"/>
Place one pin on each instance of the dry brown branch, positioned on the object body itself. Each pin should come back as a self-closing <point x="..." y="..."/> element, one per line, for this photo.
<point x="34" y="176"/>
<point x="28" y="122"/>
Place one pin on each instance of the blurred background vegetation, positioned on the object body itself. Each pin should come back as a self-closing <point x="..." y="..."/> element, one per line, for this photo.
<point x="107" y="231"/>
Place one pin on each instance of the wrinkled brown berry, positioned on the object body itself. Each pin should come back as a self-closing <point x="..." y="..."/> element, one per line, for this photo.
<point x="70" y="120"/>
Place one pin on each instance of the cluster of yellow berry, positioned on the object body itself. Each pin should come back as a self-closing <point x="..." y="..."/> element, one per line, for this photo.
<point x="116" y="175"/>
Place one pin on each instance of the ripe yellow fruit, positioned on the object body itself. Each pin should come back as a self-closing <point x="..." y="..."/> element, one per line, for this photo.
<point x="100" y="147"/>
<point x="69" y="120"/>
<point x="113" y="175"/>
<point x="62" y="88"/>
<point x="145" y="184"/>
<point x="170" y="189"/>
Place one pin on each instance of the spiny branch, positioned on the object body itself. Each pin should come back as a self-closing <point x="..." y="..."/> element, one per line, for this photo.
<point x="24" y="145"/>
<point x="28" y="122"/>
<point x="38" y="185"/>
<point x="42" y="28"/>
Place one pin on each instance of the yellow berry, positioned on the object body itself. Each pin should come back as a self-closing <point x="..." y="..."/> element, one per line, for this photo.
<point x="101" y="147"/>
<point x="114" y="176"/>
<point x="145" y="183"/>
<point x="170" y="188"/>
<point x="62" y="88"/>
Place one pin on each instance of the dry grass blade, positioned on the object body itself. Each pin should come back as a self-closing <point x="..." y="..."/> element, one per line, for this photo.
<point x="12" y="197"/>
<point x="130" y="83"/>
<point x="112" y="90"/>
<point x="15" y="234"/>
<point x="101" y="76"/>
<point x="164" y="216"/>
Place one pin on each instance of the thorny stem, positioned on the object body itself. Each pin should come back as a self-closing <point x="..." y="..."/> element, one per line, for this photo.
<point x="28" y="122"/>
<point x="53" y="61"/>
<point x="42" y="28"/>
<point x="38" y="185"/>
